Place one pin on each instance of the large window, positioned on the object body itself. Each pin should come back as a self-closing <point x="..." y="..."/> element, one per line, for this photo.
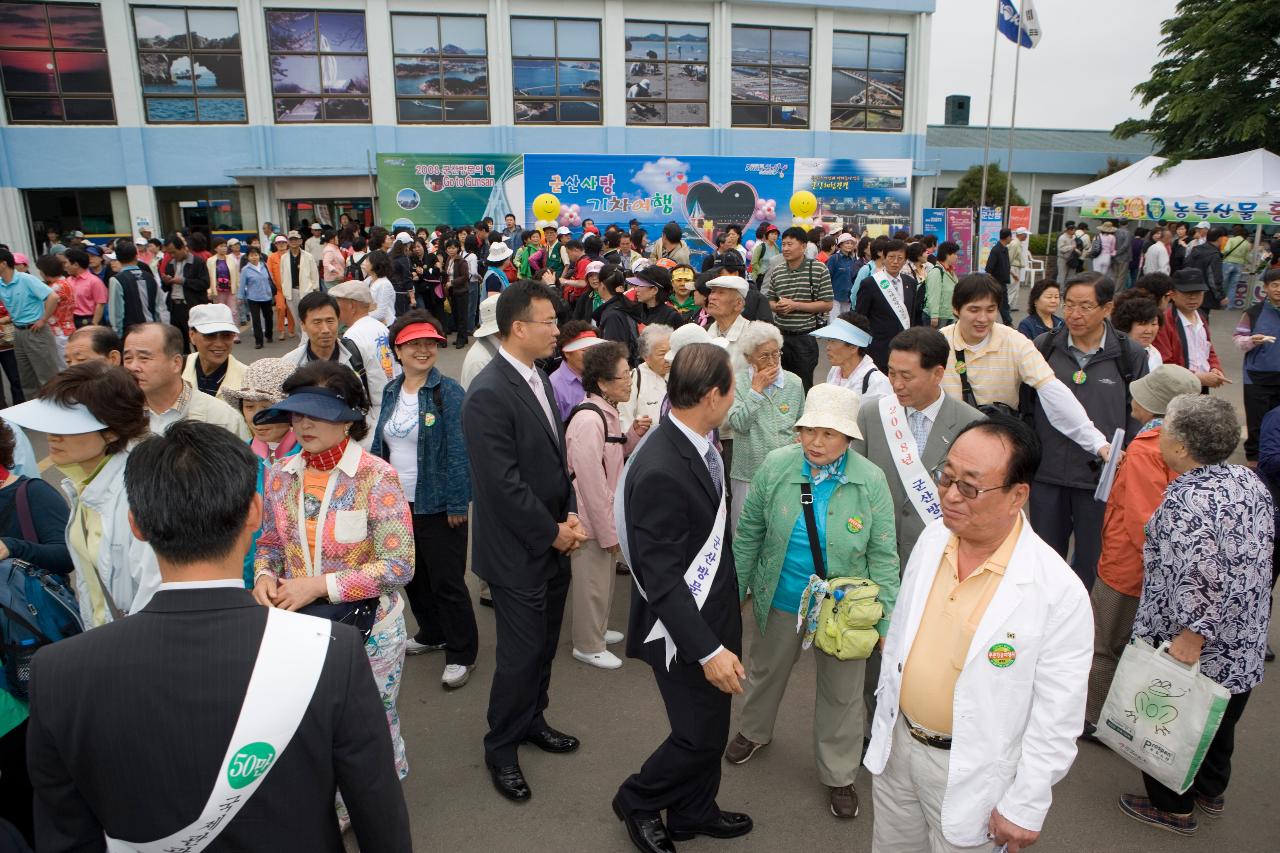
<point x="770" y="77"/>
<point x="53" y="63"/>
<point x="666" y="73"/>
<point x="868" y="81"/>
<point x="441" y="68"/>
<point x="208" y="209"/>
<point x="189" y="60"/>
<point x="319" y="65"/>
<point x="556" y="67"/>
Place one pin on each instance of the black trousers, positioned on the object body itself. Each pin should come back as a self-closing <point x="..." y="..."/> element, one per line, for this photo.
<point x="1258" y="400"/>
<point x="15" y="784"/>
<point x="260" y="313"/>
<point x="528" y="631"/>
<point x="682" y="776"/>
<point x="1214" y="774"/>
<point x="459" y="303"/>
<point x="1058" y="512"/>
<point x="1006" y="316"/>
<point x="82" y="320"/>
<point x="438" y="592"/>
<point x="178" y="317"/>
<point x="9" y="364"/>
<point x="800" y="356"/>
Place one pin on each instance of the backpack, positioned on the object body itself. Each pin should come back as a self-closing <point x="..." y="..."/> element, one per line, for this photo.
<point x="1028" y="398"/>
<point x="608" y="439"/>
<point x="353" y="272"/>
<point x="37" y="607"/>
<point x="356" y="364"/>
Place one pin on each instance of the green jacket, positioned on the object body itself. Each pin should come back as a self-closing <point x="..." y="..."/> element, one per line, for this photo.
<point x="759" y="425"/>
<point x="770" y="512"/>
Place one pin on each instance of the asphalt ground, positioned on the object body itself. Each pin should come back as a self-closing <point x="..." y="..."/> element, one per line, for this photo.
<point x="620" y="719"/>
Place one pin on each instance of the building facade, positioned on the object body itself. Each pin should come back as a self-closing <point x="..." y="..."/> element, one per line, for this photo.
<point x="227" y="116"/>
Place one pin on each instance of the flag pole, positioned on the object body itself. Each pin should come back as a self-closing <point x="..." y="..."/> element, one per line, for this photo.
<point x="1013" y="116"/>
<point x="986" y="148"/>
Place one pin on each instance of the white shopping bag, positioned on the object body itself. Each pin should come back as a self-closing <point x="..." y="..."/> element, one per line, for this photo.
<point x="1161" y="714"/>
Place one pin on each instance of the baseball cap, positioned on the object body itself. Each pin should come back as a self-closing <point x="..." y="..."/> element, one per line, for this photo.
<point x="280" y="238"/>
<point x="594" y="267"/>
<point x="1189" y="280"/>
<point x="1201" y="226"/>
<point x="91" y="250"/>
<point x="563" y="229"/>
<point x="1021" y="231"/>
<point x="404" y="237"/>
<point x="356" y="291"/>
<point x="316" y="226"/>
<point x="294" y="235"/>
<point x="234" y="241"/>
<point x="211" y="318"/>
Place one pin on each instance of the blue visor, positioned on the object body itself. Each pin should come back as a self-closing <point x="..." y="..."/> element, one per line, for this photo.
<point x="322" y="404"/>
<point x="842" y="330"/>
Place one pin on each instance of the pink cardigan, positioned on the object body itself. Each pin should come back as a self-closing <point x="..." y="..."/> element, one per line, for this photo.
<point x="596" y="467"/>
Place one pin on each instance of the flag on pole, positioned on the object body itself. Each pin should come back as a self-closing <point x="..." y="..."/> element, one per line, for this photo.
<point x="1008" y="23"/>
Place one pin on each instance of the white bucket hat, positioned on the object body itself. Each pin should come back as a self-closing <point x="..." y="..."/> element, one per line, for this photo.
<point x="691" y="333"/>
<point x="488" y="317"/>
<point x="498" y="252"/>
<point x="832" y="407"/>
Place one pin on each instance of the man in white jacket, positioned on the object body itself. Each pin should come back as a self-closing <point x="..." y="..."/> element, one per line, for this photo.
<point x="986" y="664"/>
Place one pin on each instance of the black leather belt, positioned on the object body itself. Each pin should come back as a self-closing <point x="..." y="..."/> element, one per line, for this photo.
<point x="926" y="738"/>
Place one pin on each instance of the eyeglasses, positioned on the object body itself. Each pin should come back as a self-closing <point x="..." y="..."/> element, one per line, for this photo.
<point x="1073" y="307"/>
<point x="769" y="357"/>
<point x="968" y="491"/>
<point x="551" y="322"/>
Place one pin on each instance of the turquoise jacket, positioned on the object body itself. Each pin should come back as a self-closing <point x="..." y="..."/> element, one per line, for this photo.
<point x="861" y="537"/>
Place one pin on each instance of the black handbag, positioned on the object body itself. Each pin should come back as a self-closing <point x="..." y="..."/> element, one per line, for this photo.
<point x="361" y="615"/>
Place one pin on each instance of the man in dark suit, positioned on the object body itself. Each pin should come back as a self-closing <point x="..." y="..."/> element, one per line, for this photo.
<point x="673" y="528"/>
<point x="185" y="279"/>
<point x="523" y="527"/>
<point x="131" y="722"/>
<point x="891" y="302"/>
<point x="917" y="362"/>
<point x="1001" y="269"/>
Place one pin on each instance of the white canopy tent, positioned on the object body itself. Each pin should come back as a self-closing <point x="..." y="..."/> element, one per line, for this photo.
<point x="1239" y="188"/>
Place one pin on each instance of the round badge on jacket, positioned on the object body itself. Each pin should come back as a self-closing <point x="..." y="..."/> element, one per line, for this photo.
<point x="1002" y="655"/>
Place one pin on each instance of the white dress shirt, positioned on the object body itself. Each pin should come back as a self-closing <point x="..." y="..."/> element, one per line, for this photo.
<point x="1197" y="342"/>
<point x="228" y="583"/>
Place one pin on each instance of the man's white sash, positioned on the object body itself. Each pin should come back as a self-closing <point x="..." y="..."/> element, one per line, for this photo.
<point x="701" y="573"/>
<point x="284" y="677"/>
<point x="894" y="296"/>
<point x="916" y="481"/>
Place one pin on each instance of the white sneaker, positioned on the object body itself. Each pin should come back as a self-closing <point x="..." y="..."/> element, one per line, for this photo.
<point x="612" y="637"/>
<point x="455" y="675"/>
<point x="602" y="660"/>
<point x="413" y="647"/>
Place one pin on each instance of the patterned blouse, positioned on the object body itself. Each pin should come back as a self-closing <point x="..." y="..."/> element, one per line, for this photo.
<point x="1207" y="567"/>
<point x="367" y="534"/>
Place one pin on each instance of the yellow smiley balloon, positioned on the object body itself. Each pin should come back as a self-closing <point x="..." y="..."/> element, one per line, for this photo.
<point x="546" y="206"/>
<point x="804" y="204"/>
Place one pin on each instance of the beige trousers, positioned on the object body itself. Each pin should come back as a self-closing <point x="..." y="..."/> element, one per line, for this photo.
<point x="837" y="711"/>
<point x="592" y="594"/>
<point x="908" y="798"/>
<point x="1113" y="614"/>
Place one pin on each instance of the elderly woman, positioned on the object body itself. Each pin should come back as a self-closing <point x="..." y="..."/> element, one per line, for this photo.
<point x="261" y="387"/>
<point x="597" y="446"/>
<point x="420" y="433"/>
<point x="767" y="402"/>
<point x="854" y="515"/>
<point x="649" y="379"/>
<point x="337" y="536"/>
<point x="1206" y="588"/>
<point x="90" y="414"/>
<point x="847" y="338"/>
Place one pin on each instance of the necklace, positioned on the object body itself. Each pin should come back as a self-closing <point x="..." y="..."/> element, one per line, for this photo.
<point x="403" y="419"/>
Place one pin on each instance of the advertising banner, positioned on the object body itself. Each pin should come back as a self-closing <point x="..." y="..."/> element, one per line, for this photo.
<point x="960" y="232"/>
<point x="1019" y="217"/>
<point x="417" y="190"/>
<point x="1154" y="208"/>
<point x="989" y="226"/>
<point x="854" y="195"/>
<point x="934" y="221"/>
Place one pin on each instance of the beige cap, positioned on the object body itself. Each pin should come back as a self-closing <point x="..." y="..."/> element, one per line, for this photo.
<point x="832" y="407"/>
<point x="1154" y="391"/>
<point x="356" y="291"/>
<point x="731" y="282"/>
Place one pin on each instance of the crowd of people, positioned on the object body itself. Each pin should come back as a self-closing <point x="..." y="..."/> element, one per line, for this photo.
<point x="923" y="513"/>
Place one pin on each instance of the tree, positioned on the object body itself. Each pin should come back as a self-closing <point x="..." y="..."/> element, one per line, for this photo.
<point x="1114" y="164"/>
<point x="970" y="185"/>
<point x="1214" y="91"/>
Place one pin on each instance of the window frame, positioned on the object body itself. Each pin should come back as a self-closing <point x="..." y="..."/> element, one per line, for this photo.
<point x="771" y="105"/>
<point x="556" y="60"/>
<point x="441" y="58"/>
<point x="319" y="56"/>
<point x="60" y="95"/>
<point x="191" y="53"/>
<point x="666" y="100"/>
<point x="869" y="69"/>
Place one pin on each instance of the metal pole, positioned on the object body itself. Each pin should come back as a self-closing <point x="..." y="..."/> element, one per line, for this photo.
<point x="1013" y="117"/>
<point x="986" y="147"/>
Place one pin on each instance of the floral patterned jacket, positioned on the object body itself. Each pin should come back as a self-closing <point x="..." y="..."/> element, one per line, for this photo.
<point x="366" y="533"/>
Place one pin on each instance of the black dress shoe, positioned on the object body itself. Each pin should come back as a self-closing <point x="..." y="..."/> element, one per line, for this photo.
<point x="727" y="825"/>
<point x="648" y="834"/>
<point x="510" y="783"/>
<point x="550" y="740"/>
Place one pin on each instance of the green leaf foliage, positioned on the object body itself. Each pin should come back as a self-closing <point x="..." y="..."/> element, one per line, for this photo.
<point x="969" y="187"/>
